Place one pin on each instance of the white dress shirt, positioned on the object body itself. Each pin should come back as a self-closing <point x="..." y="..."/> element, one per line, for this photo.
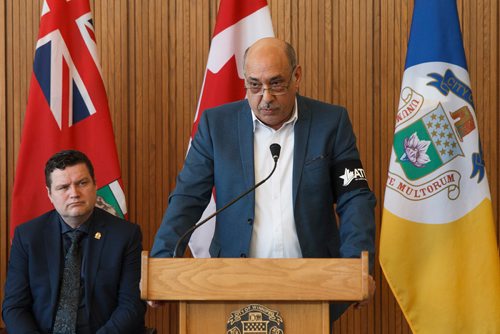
<point x="274" y="234"/>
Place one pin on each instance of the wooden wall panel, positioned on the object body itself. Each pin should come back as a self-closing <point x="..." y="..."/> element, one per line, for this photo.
<point x="481" y="48"/>
<point x="153" y="55"/>
<point x="3" y="155"/>
<point x="394" y="25"/>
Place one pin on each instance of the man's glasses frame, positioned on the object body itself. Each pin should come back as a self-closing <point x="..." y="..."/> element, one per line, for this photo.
<point x="275" y="90"/>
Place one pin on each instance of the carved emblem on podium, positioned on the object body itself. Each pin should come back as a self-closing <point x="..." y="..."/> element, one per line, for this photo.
<point x="255" y="319"/>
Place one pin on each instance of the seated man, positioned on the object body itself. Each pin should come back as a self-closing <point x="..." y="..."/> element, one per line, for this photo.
<point x="75" y="269"/>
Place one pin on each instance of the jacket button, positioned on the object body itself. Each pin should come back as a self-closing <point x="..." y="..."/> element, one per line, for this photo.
<point x="250" y="221"/>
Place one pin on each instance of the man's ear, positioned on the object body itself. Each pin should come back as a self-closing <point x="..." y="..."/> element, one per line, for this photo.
<point x="298" y="76"/>
<point x="48" y="193"/>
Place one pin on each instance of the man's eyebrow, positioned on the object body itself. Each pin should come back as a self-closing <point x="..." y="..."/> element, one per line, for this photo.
<point x="60" y="185"/>
<point x="277" y="77"/>
<point x="85" y="178"/>
<point x="252" y="79"/>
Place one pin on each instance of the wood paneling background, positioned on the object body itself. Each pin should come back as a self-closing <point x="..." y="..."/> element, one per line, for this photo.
<point x="153" y="55"/>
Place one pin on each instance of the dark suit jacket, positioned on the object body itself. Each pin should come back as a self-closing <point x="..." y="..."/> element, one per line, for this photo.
<point x="221" y="154"/>
<point x="112" y="275"/>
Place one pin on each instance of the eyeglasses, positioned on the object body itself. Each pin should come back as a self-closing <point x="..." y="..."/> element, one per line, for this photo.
<point x="256" y="88"/>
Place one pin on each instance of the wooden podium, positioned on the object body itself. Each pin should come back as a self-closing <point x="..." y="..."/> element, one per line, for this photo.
<point x="210" y="289"/>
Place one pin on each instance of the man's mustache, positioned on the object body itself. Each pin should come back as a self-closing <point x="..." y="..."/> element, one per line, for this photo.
<point x="266" y="106"/>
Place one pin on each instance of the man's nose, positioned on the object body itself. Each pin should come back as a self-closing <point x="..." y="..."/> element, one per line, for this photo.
<point x="267" y="96"/>
<point x="73" y="190"/>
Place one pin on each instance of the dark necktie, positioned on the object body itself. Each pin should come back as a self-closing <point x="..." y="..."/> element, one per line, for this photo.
<point x="69" y="294"/>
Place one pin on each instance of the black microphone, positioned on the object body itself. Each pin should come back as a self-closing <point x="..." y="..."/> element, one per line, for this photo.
<point x="275" y="152"/>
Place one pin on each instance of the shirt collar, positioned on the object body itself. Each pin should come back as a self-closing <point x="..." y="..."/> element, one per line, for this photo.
<point x="65" y="228"/>
<point x="292" y="119"/>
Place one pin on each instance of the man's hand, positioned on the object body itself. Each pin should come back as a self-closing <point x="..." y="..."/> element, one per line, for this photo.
<point x="156" y="303"/>
<point x="371" y="293"/>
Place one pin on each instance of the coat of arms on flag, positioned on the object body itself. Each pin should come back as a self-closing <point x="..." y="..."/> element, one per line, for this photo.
<point x="430" y="131"/>
<point x="426" y="144"/>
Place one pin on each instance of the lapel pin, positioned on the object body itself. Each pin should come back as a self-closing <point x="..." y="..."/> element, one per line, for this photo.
<point x="97" y="235"/>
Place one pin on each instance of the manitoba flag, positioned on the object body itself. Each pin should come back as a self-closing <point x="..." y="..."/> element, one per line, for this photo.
<point x="67" y="109"/>
<point x="438" y="248"/>
<point x="239" y="24"/>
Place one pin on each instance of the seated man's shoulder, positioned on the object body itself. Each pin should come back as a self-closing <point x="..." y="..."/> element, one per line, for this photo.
<point x="114" y="222"/>
<point x="38" y="223"/>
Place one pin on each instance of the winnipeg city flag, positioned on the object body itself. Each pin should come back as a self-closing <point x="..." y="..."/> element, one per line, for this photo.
<point x="239" y="24"/>
<point x="67" y="109"/>
<point x="438" y="248"/>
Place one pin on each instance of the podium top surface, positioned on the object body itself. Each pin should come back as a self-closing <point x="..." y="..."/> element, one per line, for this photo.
<point x="225" y="279"/>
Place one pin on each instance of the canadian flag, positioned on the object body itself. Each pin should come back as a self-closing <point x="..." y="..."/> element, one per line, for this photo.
<point x="239" y="24"/>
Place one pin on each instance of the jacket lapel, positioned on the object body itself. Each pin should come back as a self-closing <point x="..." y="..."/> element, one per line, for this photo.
<point x="53" y="255"/>
<point x="301" y="138"/>
<point x="245" y="128"/>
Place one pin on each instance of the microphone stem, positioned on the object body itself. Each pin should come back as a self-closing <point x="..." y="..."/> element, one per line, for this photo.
<point x="194" y="227"/>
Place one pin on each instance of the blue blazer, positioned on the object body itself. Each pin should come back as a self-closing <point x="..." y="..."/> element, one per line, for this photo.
<point x="221" y="155"/>
<point x="111" y="276"/>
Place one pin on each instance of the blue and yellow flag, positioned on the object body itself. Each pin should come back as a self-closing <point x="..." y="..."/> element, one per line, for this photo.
<point x="438" y="249"/>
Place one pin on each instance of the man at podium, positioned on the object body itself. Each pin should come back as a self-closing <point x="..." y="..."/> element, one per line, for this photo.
<point x="291" y="215"/>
